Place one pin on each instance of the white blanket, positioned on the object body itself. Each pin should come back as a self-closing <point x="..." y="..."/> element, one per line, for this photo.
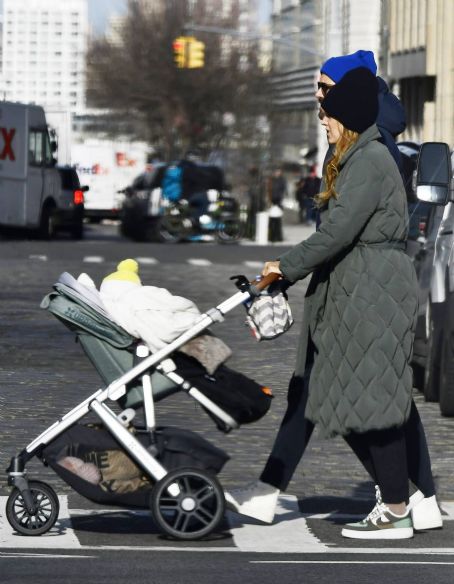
<point x="152" y="314"/>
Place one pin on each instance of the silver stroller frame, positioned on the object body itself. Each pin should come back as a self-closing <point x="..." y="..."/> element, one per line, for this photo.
<point x="117" y="426"/>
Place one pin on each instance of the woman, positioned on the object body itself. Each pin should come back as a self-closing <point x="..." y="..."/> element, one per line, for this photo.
<point x="361" y="303"/>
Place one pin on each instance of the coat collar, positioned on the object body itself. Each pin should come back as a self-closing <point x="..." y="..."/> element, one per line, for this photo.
<point x="372" y="133"/>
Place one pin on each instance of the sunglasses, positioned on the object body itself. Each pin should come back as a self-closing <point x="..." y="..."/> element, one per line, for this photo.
<point x="324" y="87"/>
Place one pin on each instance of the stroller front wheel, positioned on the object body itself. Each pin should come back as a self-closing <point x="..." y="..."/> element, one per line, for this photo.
<point x="45" y="515"/>
<point x="195" y="512"/>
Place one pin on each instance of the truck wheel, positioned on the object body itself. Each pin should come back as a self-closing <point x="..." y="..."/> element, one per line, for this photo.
<point x="432" y="373"/>
<point x="447" y="361"/>
<point x="47" y="224"/>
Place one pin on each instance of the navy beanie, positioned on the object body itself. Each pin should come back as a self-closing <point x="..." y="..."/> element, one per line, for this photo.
<point x="336" y="67"/>
<point x="354" y="100"/>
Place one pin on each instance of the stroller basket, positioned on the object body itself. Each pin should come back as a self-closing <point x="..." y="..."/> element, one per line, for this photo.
<point x="119" y="480"/>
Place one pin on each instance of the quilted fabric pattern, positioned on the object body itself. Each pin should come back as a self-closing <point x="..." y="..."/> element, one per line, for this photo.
<point x="361" y="304"/>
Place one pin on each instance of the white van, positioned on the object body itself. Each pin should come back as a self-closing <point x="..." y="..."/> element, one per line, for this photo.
<point x="31" y="196"/>
<point x="107" y="167"/>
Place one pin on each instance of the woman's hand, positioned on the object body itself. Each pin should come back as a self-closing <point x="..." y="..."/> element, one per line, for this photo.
<point x="271" y="268"/>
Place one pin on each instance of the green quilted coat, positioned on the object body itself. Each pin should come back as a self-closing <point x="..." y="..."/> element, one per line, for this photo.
<point x="361" y="303"/>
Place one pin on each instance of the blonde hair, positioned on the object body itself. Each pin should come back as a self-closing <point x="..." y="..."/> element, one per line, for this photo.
<point x="345" y="142"/>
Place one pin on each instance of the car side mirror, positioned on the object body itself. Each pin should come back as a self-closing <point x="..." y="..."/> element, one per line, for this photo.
<point x="433" y="173"/>
<point x="85" y="188"/>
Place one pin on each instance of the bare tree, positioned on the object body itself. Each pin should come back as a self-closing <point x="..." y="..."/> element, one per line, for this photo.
<point x="135" y="75"/>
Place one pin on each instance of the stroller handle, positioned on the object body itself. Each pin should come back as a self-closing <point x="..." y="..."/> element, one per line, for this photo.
<point x="257" y="287"/>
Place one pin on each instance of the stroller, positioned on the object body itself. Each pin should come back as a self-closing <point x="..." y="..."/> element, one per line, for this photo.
<point x="172" y="471"/>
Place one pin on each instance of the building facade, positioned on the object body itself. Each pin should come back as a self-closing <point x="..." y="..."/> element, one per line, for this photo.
<point x="306" y="33"/>
<point x="420" y="65"/>
<point x="296" y="58"/>
<point x="43" y="52"/>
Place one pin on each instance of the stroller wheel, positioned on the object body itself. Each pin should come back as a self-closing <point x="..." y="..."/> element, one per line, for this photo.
<point x="195" y="511"/>
<point x="46" y="514"/>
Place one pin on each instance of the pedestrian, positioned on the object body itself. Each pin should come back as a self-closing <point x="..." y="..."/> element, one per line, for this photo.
<point x="190" y="184"/>
<point x="277" y="193"/>
<point x="329" y="256"/>
<point x="299" y="196"/>
<point x="254" y="200"/>
<point x="259" y="499"/>
<point x="391" y="121"/>
<point x="306" y="189"/>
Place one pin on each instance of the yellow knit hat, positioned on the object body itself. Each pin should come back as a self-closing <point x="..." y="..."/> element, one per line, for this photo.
<point x="127" y="270"/>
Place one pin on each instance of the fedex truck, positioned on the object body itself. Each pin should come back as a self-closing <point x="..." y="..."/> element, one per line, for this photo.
<point x="29" y="182"/>
<point x="107" y="167"/>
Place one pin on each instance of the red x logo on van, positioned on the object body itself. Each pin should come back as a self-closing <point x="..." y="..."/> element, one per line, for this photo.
<point x="7" y="151"/>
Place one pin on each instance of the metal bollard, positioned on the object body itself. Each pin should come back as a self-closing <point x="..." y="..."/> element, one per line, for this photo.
<point x="261" y="228"/>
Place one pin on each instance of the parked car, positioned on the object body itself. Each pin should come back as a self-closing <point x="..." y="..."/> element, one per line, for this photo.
<point x="418" y="211"/>
<point x="70" y="213"/>
<point x="433" y="359"/>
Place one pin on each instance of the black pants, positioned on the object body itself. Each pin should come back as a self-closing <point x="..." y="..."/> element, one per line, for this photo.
<point x="383" y="454"/>
<point x="295" y="432"/>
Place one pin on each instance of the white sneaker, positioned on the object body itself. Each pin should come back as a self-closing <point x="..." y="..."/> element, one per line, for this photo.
<point x="425" y="512"/>
<point x="257" y="500"/>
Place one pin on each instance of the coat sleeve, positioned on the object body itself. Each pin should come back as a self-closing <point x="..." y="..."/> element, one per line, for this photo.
<point x="356" y="202"/>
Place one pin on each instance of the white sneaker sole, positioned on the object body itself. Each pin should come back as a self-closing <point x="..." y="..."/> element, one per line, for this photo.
<point x="393" y="533"/>
<point x="421" y="525"/>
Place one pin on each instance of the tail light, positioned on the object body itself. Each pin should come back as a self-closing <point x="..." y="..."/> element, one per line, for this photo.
<point x="78" y="197"/>
<point x="422" y="227"/>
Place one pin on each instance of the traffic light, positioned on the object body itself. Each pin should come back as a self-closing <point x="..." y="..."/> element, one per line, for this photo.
<point x="188" y="52"/>
<point x="179" y="51"/>
<point x="196" y="54"/>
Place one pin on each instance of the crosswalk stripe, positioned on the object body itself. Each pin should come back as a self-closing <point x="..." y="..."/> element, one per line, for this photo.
<point x="368" y="562"/>
<point x="147" y="261"/>
<point x="199" y="262"/>
<point x="150" y="261"/>
<point x="289" y="533"/>
<point x="41" y="258"/>
<point x="253" y="264"/>
<point x="93" y="259"/>
<point x="40" y="555"/>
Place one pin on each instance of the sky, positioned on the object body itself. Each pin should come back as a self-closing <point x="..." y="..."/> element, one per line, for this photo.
<point x="99" y="11"/>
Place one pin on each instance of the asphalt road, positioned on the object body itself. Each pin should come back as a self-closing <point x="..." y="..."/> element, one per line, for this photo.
<point x="44" y="374"/>
<point x="176" y="567"/>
